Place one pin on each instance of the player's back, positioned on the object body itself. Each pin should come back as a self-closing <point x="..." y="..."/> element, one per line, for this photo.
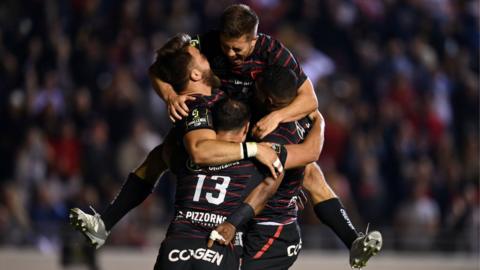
<point x="282" y="207"/>
<point x="206" y="196"/>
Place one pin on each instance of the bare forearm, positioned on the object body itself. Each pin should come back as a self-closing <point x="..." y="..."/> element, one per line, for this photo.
<point x="309" y="150"/>
<point x="305" y="103"/>
<point x="214" y="152"/>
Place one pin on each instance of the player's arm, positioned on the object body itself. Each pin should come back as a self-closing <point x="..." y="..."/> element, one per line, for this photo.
<point x="176" y="104"/>
<point x="309" y="150"/>
<point x="304" y="103"/>
<point x="251" y="206"/>
<point x="205" y="149"/>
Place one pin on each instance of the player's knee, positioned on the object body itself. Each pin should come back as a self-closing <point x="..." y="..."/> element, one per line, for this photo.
<point x="314" y="182"/>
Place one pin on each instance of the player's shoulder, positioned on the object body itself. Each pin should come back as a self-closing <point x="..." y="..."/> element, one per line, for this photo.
<point x="268" y="43"/>
<point x="206" y="101"/>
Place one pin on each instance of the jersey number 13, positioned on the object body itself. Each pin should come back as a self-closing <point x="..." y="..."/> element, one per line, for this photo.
<point x="221" y="187"/>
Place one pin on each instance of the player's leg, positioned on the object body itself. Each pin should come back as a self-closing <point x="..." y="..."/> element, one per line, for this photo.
<point x="330" y="210"/>
<point x="328" y="207"/>
<point x="135" y="190"/>
<point x="271" y="247"/>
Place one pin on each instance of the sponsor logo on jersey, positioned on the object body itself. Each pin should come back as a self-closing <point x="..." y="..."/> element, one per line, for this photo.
<point x="300" y="130"/>
<point x="196" y="119"/>
<point x="201" y="218"/>
<point x="223" y="166"/>
<point x="293" y="202"/>
<point x="293" y="250"/>
<point x="207" y="255"/>
<point x="238" y="239"/>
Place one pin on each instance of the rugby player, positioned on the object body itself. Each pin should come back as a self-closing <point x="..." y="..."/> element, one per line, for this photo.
<point x="139" y="184"/>
<point x="272" y="240"/>
<point x="205" y="196"/>
<point x="238" y="53"/>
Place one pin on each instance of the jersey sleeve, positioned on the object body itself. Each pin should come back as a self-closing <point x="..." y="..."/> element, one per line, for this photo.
<point x="279" y="55"/>
<point x="198" y="118"/>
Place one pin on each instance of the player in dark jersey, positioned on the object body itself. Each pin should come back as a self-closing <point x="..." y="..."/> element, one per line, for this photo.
<point x="96" y="228"/>
<point x="273" y="239"/>
<point x="206" y="196"/>
<point x="237" y="54"/>
<point x="184" y="67"/>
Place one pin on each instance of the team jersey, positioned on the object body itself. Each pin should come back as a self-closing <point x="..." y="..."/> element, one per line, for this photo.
<point x="199" y="117"/>
<point x="206" y="196"/>
<point x="238" y="81"/>
<point x="282" y="207"/>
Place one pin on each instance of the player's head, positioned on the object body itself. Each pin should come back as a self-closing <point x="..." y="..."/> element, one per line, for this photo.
<point x="178" y="63"/>
<point x="276" y="87"/>
<point x="238" y="32"/>
<point x="231" y="120"/>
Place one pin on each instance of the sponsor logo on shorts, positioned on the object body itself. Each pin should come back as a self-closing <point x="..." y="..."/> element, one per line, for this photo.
<point x="207" y="255"/>
<point x="293" y="250"/>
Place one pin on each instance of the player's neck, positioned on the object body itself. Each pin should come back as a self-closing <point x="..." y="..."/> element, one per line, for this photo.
<point x="230" y="136"/>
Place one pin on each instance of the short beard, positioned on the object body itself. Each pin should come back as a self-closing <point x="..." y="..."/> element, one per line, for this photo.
<point x="211" y="79"/>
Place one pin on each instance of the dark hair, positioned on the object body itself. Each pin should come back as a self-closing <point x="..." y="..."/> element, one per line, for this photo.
<point x="172" y="63"/>
<point x="230" y="114"/>
<point x="277" y="82"/>
<point x="238" y="20"/>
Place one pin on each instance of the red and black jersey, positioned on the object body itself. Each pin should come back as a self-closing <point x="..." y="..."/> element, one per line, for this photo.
<point x="206" y="196"/>
<point x="199" y="117"/>
<point x="282" y="207"/>
<point x="238" y="81"/>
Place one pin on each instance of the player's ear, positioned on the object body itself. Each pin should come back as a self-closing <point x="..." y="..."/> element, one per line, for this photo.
<point x="253" y="41"/>
<point x="195" y="74"/>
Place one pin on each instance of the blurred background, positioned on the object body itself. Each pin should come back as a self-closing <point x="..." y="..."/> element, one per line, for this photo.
<point x="397" y="82"/>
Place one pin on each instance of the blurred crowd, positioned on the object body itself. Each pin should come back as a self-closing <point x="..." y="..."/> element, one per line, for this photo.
<point x="397" y="82"/>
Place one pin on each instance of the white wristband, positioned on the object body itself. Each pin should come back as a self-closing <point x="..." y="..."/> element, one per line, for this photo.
<point x="251" y="149"/>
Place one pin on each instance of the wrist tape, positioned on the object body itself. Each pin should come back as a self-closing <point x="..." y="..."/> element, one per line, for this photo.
<point x="243" y="214"/>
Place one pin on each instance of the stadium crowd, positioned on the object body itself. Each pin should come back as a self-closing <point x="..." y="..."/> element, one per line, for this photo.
<point x="397" y="82"/>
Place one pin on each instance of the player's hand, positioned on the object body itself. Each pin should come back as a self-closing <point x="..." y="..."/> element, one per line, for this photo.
<point x="268" y="157"/>
<point x="266" y="125"/>
<point x="223" y="234"/>
<point x="177" y="107"/>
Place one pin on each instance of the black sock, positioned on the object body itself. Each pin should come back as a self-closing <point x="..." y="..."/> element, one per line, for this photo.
<point x="133" y="192"/>
<point x="333" y="214"/>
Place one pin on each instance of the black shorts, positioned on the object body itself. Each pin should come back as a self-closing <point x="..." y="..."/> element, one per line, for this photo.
<point x="271" y="247"/>
<point x="183" y="254"/>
